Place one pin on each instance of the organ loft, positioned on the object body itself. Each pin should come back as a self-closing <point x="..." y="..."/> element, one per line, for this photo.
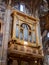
<point x="20" y="35"/>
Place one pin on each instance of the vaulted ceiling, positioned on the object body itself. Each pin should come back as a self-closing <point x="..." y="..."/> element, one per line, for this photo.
<point x="30" y="3"/>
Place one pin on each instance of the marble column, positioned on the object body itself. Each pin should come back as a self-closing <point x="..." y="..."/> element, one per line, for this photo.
<point x="6" y="36"/>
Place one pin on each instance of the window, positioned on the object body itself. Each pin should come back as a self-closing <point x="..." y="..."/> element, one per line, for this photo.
<point x="22" y="7"/>
<point x="48" y="34"/>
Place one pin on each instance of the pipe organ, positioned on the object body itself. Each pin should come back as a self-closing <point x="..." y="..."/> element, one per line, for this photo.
<point x="25" y="43"/>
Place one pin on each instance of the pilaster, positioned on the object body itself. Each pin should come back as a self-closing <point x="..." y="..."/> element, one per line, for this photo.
<point x="14" y="24"/>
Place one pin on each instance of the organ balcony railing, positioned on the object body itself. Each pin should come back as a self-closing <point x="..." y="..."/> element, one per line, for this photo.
<point x="26" y="32"/>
